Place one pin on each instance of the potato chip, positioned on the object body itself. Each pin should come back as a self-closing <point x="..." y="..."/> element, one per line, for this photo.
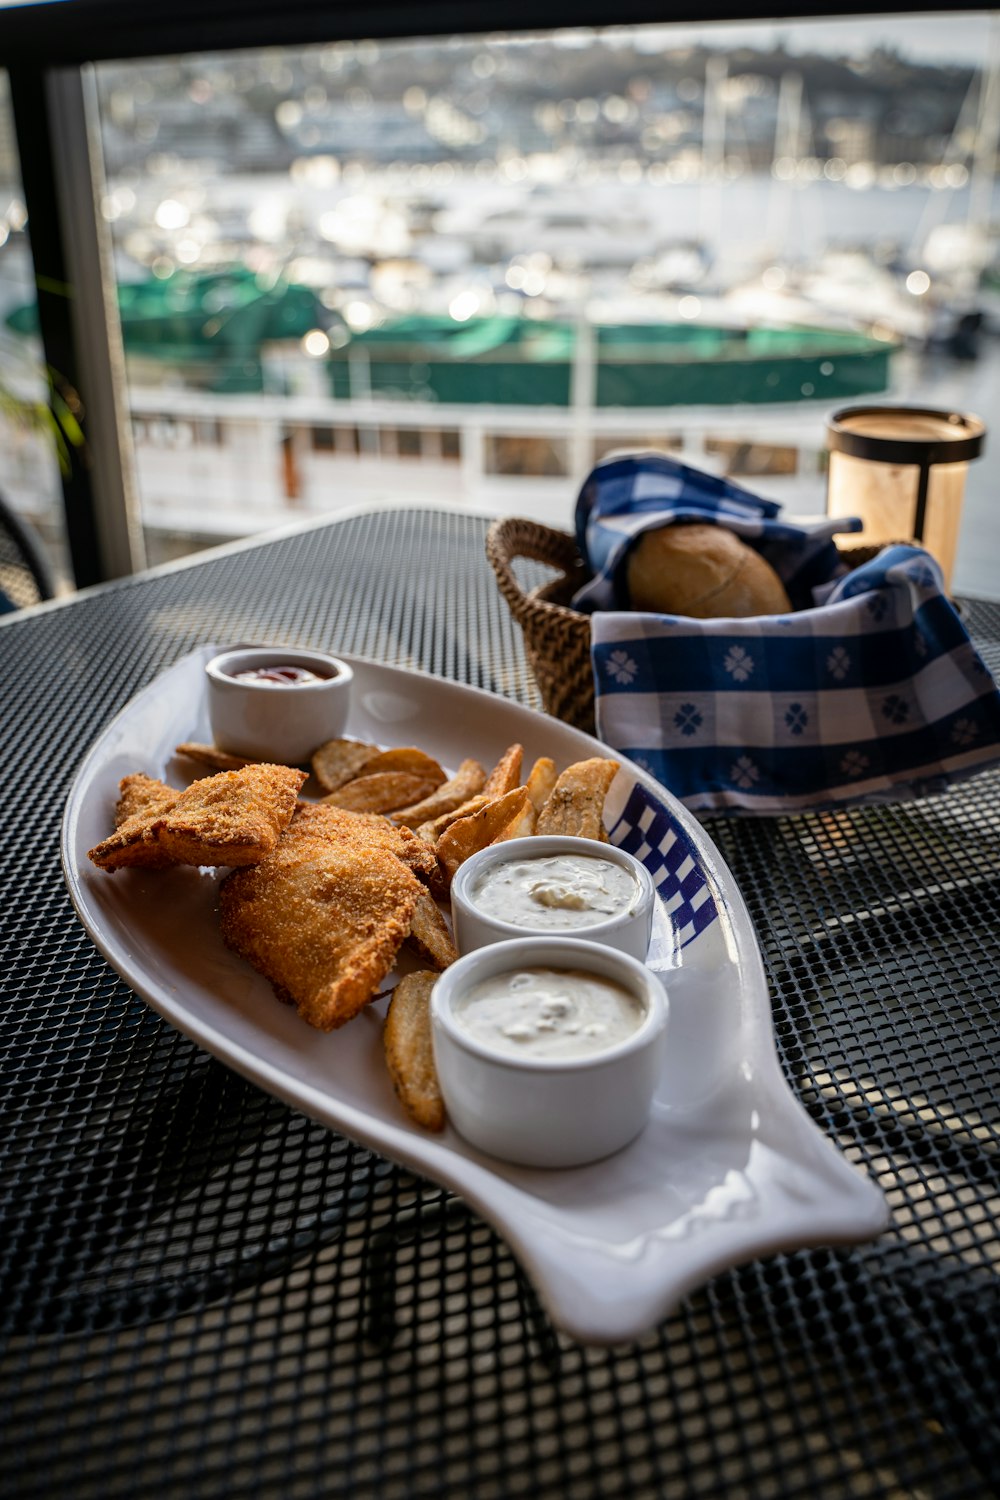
<point x="541" y="780"/>
<point x="409" y="1051"/>
<point x="211" y="755"/>
<point x="478" y="829"/>
<point x="340" y="761"/>
<point x="381" y="792"/>
<point x="466" y="782"/>
<point x="506" y="774"/>
<point x="429" y="934"/>
<point x="576" y="803"/>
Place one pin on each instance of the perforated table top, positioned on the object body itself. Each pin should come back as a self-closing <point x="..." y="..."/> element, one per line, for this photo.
<point x="204" y="1294"/>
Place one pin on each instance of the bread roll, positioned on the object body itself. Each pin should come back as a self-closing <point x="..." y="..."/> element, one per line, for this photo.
<point x="705" y="571"/>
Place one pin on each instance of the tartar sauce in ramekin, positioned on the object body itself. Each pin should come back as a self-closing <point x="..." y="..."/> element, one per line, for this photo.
<point x="549" y="1013"/>
<point x="562" y="892"/>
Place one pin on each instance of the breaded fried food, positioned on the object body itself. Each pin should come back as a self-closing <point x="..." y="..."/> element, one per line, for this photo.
<point x="466" y="782"/>
<point x="322" y="921"/>
<point x="141" y="799"/>
<point x="575" y="805"/>
<point x="138" y="794"/>
<point x="409" y="1052"/>
<point x="367" y="830"/>
<point x="234" y="818"/>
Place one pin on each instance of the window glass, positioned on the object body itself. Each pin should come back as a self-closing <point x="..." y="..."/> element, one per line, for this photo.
<point x="544" y="247"/>
<point x="32" y="440"/>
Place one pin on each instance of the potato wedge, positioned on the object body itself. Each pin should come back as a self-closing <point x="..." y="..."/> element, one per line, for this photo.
<point x="479" y="829"/>
<point x="576" y="803"/>
<point x="429" y="935"/>
<point x="506" y="774"/>
<point x="541" y="780"/>
<point x="211" y="755"/>
<point x="409" y="1053"/>
<point x="466" y="782"/>
<point x="380" y="793"/>
<point x="409" y="759"/>
<point x="522" y="826"/>
<point x="339" y="761"/>
<point x="432" y="831"/>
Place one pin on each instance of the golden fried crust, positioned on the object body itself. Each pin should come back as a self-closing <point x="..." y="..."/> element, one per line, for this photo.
<point x="322" y="921"/>
<point x="234" y="818"/>
<point x="141" y="800"/>
<point x="365" y="830"/>
<point x="142" y="794"/>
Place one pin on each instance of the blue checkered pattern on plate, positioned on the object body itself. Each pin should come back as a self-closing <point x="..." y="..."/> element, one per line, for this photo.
<point x="647" y="830"/>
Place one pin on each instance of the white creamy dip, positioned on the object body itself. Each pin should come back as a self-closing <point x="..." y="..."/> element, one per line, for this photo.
<point x="549" y="1012"/>
<point x="556" y="892"/>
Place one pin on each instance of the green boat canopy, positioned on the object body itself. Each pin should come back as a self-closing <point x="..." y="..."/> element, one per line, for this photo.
<point x="530" y="362"/>
<point x="219" y="320"/>
<point x="220" y="323"/>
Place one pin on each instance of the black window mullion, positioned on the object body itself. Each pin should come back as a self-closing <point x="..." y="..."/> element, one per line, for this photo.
<point x="53" y="293"/>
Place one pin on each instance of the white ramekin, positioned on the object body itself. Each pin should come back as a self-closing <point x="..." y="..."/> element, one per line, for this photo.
<point x="548" y="1112"/>
<point x="281" y="724"/>
<point x="474" y="928"/>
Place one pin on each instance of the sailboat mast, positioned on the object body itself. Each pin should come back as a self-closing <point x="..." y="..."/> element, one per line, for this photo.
<point x="984" y="157"/>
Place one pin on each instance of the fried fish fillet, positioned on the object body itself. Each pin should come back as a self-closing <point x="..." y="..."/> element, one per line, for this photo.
<point x="141" y="799"/>
<point x="321" y="920"/>
<point x="234" y="818"/>
<point x="367" y="830"/>
<point x="139" y="794"/>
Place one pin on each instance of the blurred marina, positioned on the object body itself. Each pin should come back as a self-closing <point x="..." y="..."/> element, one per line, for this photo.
<point x="355" y="288"/>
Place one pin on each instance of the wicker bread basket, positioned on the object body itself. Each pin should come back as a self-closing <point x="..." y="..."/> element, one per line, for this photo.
<point x="556" y="636"/>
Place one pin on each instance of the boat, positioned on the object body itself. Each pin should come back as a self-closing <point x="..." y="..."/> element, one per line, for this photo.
<point x="532" y="362"/>
<point x="236" y="426"/>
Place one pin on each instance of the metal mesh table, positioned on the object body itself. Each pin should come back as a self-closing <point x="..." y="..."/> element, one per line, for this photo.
<point x="206" y="1294"/>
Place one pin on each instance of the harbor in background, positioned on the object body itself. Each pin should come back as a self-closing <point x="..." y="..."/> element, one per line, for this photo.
<point x="351" y="287"/>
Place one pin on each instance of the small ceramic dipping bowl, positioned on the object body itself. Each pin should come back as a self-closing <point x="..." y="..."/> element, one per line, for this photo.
<point x="512" y="1094"/>
<point x="500" y="878"/>
<point x="262" y="704"/>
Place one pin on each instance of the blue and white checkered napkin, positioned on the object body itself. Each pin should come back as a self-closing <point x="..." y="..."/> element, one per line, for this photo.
<point x="871" y="691"/>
